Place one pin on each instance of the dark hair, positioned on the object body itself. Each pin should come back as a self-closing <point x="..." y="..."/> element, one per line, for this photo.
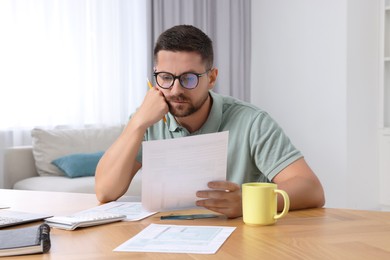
<point x="186" y="38"/>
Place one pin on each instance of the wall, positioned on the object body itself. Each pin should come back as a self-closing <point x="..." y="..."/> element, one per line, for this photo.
<point x="304" y="74"/>
<point x="363" y="103"/>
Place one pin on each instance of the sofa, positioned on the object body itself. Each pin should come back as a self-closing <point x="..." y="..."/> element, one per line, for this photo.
<point x="61" y="159"/>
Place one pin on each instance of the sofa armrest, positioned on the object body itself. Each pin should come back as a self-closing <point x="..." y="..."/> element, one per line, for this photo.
<point x="19" y="164"/>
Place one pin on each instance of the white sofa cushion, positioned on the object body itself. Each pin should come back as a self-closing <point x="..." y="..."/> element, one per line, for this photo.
<point x="56" y="183"/>
<point x="80" y="185"/>
<point x="50" y="144"/>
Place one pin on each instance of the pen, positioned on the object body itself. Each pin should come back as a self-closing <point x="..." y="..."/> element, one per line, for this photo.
<point x="150" y="87"/>
<point x="189" y="217"/>
<point x="149" y="84"/>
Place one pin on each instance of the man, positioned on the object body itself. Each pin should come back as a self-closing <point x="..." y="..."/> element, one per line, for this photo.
<point x="258" y="149"/>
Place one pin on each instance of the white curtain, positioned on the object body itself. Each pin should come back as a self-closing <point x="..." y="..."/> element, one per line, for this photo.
<point x="69" y="62"/>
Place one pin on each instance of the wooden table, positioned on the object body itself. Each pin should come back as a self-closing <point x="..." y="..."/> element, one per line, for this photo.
<point x="306" y="234"/>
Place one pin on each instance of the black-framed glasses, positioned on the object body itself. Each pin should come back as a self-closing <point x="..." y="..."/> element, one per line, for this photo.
<point x="188" y="80"/>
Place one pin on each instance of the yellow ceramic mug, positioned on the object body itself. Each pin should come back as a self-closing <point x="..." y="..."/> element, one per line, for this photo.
<point x="259" y="203"/>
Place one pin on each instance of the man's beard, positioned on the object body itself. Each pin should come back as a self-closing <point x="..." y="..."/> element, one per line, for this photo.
<point x="185" y="109"/>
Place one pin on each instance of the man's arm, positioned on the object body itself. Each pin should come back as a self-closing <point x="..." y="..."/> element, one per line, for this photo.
<point x="118" y="165"/>
<point x="297" y="179"/>
<point x="302" y="186"/>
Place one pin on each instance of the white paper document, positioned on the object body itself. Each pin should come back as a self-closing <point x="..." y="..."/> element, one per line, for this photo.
<point x="177" y="239"/>
<point x="133" y="210"/>
<point x="173" y="170"/>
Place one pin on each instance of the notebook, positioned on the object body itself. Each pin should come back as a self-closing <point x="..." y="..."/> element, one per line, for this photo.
<point x="22" y="241"/>
<point x="12" y="218"/>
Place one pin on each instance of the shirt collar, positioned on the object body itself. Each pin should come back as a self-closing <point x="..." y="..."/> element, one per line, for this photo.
<point x="213" y="121"/>
<point x="172" y="123"/>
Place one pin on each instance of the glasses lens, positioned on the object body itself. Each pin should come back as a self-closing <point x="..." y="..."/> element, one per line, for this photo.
<point x="189" y="80"/>
<point x="164" y="80"/>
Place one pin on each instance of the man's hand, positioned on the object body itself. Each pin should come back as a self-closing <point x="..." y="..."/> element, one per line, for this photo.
<point x="225" y="198"/>
<point x="152" y="109"/>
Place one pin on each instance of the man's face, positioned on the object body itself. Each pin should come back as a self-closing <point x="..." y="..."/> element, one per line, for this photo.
<point x="183" y="102"/>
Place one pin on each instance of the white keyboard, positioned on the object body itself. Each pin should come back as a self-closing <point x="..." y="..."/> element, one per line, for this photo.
<point x="83" y="220"/>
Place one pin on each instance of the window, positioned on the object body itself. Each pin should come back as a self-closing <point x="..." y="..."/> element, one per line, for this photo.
<point x="71" y="62"/>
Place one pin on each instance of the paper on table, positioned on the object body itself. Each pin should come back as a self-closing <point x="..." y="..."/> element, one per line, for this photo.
<point x="133" y="210"/>
<point x="173" y="170"/>
<point x="177" y="239"/>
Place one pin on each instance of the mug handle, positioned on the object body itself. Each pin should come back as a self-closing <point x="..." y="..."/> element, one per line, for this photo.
<point x="286" y="204"/>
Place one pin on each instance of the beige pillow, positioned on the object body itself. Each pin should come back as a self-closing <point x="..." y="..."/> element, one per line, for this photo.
<point x="50" y="144"/>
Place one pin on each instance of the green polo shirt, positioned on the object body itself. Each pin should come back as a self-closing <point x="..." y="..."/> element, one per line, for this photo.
<point x="258" y="149"/>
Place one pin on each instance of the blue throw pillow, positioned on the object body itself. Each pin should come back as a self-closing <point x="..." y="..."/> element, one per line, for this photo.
<point x="79" y="164"/>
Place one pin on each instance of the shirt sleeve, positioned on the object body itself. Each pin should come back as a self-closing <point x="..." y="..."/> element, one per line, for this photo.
<point x="271" y="148"/>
